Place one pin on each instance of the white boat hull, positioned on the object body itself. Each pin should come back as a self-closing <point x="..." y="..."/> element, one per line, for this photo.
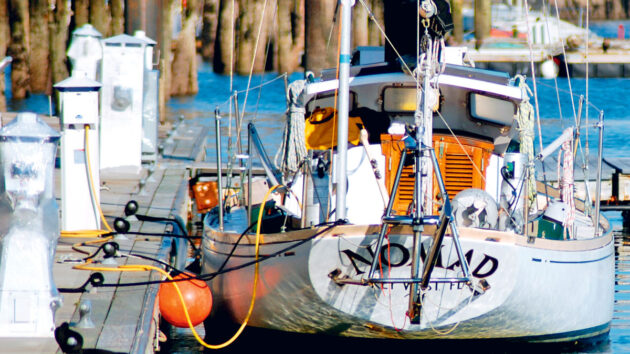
<point x="543" y="291"/>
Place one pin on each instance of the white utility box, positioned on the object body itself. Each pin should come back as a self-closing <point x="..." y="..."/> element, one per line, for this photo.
<point x="150" y="109"/>
<point x="123" y="72"/>
<point x="86" y="52"/>
<point x="30" y="229"/>
<point x="78" y="102"/>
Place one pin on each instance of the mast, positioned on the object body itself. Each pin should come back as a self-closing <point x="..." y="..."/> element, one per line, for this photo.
<point x="343" y="105"/>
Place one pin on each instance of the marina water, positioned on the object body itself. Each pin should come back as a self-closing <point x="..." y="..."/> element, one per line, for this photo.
<point x="266" y="107"/>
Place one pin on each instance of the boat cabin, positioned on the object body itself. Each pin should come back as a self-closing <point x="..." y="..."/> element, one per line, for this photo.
<point x="472" y="126"/>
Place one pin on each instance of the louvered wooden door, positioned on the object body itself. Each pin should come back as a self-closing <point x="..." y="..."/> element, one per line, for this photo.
<point x="463" y="165"/>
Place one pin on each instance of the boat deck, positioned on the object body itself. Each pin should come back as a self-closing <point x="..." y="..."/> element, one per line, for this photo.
<point x="125" y="319"/>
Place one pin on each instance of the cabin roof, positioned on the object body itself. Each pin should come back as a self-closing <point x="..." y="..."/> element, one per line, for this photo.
<point x="455" y="75"/>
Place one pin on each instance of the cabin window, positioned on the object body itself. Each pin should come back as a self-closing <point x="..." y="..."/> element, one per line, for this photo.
<point x="399" y="99"/>
<point x="491" y="109"/>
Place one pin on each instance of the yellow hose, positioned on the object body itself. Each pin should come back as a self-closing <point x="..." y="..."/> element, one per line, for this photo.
<point x="142" y="267"/>
<point x="89" y="233"/>
<point x="87" y="158"/>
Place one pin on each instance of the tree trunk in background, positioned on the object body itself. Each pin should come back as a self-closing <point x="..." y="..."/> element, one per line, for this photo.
<point x="4" y="42"/>
<point x="18" y="49"/>
<point x="290" y="21"/>
<point x="39" y="62"/>
<point x="81" y="9"/>
<point x="374" y="33"/>
<point x="223" y="55"/>
<point x="614" y="10"/>
<point x="100" y="16"/>
<point x="249" y="24"/>
<point x="118" y="17"/>
<point x="320" y="54"/>
<point x="58" y="37"/>
<point x="184" y="67"/>
<point x="458" y="21"/>
<point x="483" y="16"/>
<point x="166" y="52"/>
<point x="209" y="29"/>
<point x="360" y="37"/>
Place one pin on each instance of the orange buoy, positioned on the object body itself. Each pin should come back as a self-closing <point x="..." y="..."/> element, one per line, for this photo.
<point x="197" y="297"/>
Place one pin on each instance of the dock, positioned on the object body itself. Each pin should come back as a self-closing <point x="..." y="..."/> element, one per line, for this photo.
<point x="125" y="319"/>
<point x="514" y="57"/>
<point x="615" y="190"/>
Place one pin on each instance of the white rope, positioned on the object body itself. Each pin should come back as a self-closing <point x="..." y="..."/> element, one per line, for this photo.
<point x="566" y="185"/>
<point x="292" y="151"/>
<point x="525" y="120"/>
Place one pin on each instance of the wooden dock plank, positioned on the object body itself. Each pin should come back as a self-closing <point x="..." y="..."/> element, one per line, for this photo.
<point x="120" y="327"/>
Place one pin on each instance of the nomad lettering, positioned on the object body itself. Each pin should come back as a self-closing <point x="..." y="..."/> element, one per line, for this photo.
<point x="485" y="268"/>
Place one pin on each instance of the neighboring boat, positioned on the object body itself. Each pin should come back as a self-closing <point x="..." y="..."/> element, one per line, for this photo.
<point x="513" y="21"/>
<point x="507" y="258"/>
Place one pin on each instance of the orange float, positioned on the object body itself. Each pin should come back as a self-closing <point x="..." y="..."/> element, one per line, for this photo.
<point x="197" y="297"/>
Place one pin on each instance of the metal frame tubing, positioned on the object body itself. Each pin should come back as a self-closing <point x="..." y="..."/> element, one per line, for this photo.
<point x="217" y="119"/>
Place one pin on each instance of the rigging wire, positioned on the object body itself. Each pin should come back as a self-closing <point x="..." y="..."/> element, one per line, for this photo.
<point x="409" y="71"/>
<point x="268" y="47"/>
<point x="566" y="64"/>
<point x="232" y="45"/>
<point x="380" y="28"/>
<point x="555" y="78"/>
<point x="461" y="146"/>
<point x="251" y="68"/>
<point x="332" y="27"/>
<point x="533" y="73"/>
<point x="590" y="104"/>
<point x="586" y="143"/>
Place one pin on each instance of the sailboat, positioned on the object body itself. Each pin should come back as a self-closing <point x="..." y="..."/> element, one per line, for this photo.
<point x="431" y="225"/>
